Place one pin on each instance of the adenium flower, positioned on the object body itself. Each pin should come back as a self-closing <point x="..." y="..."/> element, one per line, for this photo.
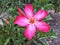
<point x="32" y="21"/>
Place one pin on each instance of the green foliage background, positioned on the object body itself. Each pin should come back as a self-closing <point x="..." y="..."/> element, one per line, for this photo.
<point x="10" y="33"/>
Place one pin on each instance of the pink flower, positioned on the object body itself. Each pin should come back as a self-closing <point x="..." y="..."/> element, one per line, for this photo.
<point x="31" y="21"/>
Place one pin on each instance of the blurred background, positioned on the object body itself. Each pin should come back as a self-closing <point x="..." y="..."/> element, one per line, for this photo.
<point x="13" y="37"/>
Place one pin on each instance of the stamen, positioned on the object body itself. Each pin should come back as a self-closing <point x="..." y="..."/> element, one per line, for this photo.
<point x="32" y="20"/>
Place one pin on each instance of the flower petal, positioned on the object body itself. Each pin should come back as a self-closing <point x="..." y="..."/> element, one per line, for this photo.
<point x="29" y="10"/>
<point x="20" y="11"/>
<point x="21" y="21"/>
<point x="41" y="14"/>
<point x="30" y="31"/>
<point x="42" y="26"/>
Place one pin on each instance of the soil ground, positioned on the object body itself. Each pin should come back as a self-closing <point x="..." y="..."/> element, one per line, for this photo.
<point x="55" y="23"/>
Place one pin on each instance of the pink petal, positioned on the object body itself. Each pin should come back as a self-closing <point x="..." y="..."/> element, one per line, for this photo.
<point x="29" y="10"/>
<point x="20" y="11"/>
<point x="30" y="31"/>
<point x="42" y="26"/>
<point x="41" y="14"/>
<point x="21" y="21"/>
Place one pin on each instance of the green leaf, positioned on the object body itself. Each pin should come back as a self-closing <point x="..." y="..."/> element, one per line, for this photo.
<point x="53" y="33"/>
<point x="41" y="42"/>
<point x="45" y="42"/>
<point x="53" y="36"/>
<point x="43" y="1"/>
<point x="1" y="43"/>
<point x="7" y="41"/>
<point x="48" y="6"/>
<point x="48" y="18"/>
